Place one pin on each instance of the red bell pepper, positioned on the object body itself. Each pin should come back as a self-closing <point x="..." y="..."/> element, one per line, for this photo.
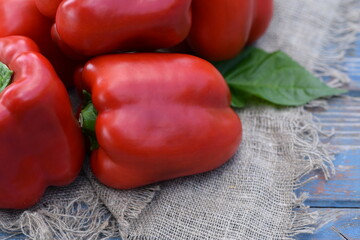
<point x="41" y="143"/>
<point x="48" y="7"/>
<point x="221" y="28"/>
<point x="160" y="116"/>
<point x="21" y="17"/>
<point x="92" y="27"/>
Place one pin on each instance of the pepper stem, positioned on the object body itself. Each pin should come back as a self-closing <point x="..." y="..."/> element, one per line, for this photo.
<point x="87" y="120"/>
<point x="5" y="76"/>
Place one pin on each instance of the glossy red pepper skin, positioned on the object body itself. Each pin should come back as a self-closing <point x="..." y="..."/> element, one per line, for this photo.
<point x="41" y="143"/>
<point x="160" y="116"/>
<point x="261" y="19"/>
<point x="22" y="17"/>
<point x="48" y="7"/>
<point x="221" y="28"/>
<point x="93" y="27"/>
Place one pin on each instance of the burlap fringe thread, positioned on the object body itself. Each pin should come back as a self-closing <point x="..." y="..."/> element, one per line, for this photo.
<point x="328" y="66"/>
<point x="341" y="38"/>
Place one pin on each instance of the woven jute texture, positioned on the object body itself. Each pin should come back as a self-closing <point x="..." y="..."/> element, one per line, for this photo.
<point x="251" y="196"/>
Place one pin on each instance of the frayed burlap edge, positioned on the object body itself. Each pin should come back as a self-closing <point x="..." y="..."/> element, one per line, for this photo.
<point x="71" y="212"/>
<point x="328" y="65"/>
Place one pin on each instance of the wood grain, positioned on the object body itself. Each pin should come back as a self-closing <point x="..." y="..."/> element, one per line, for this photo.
<point x="341" y="194"/>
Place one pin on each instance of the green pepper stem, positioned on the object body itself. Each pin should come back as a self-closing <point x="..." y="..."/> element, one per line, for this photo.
<point x="87" y="120"/>
<point x="5" y="76"/>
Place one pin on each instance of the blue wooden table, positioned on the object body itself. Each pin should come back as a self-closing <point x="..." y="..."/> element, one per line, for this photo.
<point x="339" y="197"/>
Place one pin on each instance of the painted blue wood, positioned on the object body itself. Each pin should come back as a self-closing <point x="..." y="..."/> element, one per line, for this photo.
<point x="343" y="189"/>
<point x="343" y="119"/>
<point x="11" y="237"/>
<point x="346" y="226"/>
<point x="342" y="192"/>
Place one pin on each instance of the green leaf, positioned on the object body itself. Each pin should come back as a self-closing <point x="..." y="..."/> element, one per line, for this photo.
<point x="236" y="101"/>
<point x="274" y="77"/>
<point x="5" y="76"/>
<point x="239" y="98"/>
<point x="87" y="120"/>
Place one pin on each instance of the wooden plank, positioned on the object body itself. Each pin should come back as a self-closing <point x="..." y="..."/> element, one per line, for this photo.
<point x="346" y="226"/>
<point x="343" y="189"/>
<point x="5" y="236"/>
<point x="342" y="121"/>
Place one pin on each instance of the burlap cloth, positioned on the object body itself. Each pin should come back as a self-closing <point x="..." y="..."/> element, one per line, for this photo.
<point x="250" y="197"/>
